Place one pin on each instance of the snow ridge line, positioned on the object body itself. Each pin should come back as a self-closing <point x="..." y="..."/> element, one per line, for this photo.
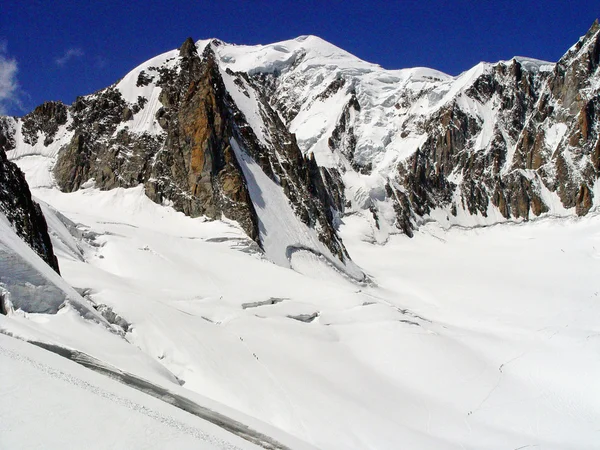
<point x="291" y="249"/>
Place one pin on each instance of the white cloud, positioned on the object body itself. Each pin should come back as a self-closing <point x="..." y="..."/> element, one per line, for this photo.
<point x="9" y="86"/>
<point x="74" y="52"/>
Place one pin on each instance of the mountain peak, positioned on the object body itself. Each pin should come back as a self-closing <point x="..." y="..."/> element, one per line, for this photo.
<point x="588" y="46"/>
<point x="593" y="34"/>
<point x="188" y="48"/>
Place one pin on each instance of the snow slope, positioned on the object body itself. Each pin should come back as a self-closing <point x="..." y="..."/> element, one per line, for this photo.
<point x="34" y="285"/>
<point x="50" y="402"/>
<point x="42" y="308"/>
<point x="469" y="338"/>
<point x="282" y="232"/>
<point x="38" y="160"/>
<point x="307" y="65"/>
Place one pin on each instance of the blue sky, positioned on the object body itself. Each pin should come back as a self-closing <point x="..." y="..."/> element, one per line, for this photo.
<point x="58" y="50"/>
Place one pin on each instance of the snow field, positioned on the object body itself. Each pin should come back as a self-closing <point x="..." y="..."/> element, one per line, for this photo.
<point x="477" y="338"/>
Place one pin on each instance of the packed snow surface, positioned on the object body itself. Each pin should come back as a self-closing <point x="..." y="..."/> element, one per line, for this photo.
<point x="466" y="338"/>
<point x="69" y="406"/>
<point x="281" y="231"/>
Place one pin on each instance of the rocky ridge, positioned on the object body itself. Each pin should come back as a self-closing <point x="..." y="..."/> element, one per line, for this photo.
<point x="504" y="141"/>
<point x="23" y="213"/>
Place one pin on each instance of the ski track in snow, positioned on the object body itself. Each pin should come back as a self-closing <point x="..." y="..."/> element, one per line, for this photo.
<point x="116" y="399"/>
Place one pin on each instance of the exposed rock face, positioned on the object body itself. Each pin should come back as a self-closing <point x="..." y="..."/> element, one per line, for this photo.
<point x="46" y="118"/>
<point x="312" y="190"/>
<point x="197" y="170"/>
<point x="533" y="109"/>
<point x="448" y="171"/>
<point x="568" y="100"/>
<point x="96" y="150"/>
<point x="7" y="134"/>
<point x="190" y="166"/>
<point x="22" y="212"/>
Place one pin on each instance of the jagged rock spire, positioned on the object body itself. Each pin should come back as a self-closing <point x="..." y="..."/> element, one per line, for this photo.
<point x="188" y="48"/>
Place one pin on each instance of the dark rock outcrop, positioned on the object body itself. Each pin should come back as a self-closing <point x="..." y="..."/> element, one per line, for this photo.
<point x="24" y="215"/>
<point x="45" y="118"/>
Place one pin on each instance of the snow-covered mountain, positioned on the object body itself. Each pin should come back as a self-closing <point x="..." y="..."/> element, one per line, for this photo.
<point x="208" y="126"/>
<point x="217" y="215"/>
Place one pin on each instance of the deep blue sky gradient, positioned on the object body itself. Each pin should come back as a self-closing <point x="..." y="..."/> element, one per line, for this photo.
<point x="112" y="37"/>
